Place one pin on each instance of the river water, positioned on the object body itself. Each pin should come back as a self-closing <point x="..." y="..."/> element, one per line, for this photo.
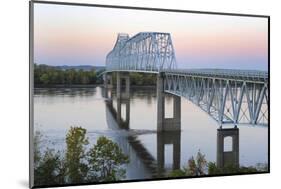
<point x="56" y="110"/>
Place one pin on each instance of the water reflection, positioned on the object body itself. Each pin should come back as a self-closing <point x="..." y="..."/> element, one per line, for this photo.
<point x="166" y="138"/>
<point x="228" y="138"/>
<point x="122" y="123"/>
<point x="69" y="92"/>
<point x="155" y="166"/>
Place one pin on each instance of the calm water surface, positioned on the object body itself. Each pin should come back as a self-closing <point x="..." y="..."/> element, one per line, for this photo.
<point x="56" y="110"/>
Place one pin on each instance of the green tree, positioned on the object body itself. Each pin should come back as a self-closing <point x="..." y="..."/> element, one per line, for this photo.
<point x="47" y="171"/>
<point x="93" y="77"/>
<point x="75" y="153"/>
<point x="44" y="78"/>
<point x="177" y="173"/>
<point x="106" y="160"/>
<point x="232" y="169"/>
<point x="103" y="162"/>
<point x="197" y="167"/>
<point x="37" y="154"/>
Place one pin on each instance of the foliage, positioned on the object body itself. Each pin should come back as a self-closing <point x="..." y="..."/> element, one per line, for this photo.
<point x="178" y="173"/>
<point x="75" y="152"/>
<point x="47" y="171"/>
<point x="105" y="160"/>
<point x="102" y="162"/>
<point x="37" y="153"/>
<point x="232" y="169"/>
<point x="200" y="166"/>
<point x="139" y="79"/>
<point x="197" y="167"/>
<point x="49" y="75"/>
<point x="143" y="79"/>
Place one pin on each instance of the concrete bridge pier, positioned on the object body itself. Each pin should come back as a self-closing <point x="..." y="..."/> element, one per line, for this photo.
<point x="119" y="77"/>
<point x="168" y="138"/>
<point x="107" y="81"/>
<point x="167" y="124"/>
<point x="123" y="122"/>
<point x="230" y="156"/>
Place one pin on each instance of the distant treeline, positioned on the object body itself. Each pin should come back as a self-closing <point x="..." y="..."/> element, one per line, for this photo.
<point x="49" y="75"/>
<point x="140" y="79"/>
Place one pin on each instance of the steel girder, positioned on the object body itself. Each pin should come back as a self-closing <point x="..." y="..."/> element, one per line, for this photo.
<point x="146" y="51"/>
<point x="228" y="101"/>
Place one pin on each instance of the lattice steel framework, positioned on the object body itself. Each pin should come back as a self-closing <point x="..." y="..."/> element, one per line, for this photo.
<point x="144" y="52"/>
<point x="228" y="96"/>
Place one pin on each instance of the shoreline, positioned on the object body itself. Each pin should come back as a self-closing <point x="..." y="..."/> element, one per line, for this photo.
<point x="86" y="86"/>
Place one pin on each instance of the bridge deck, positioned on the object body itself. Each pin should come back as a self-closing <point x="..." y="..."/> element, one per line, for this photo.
<point x="249" y="75"/>
<point x="231" y="74"/>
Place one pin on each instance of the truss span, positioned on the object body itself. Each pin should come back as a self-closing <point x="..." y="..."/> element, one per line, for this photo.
<point x="227" y="99"/>
<point x="144" y="52"/>
<point x="228" y="96"/>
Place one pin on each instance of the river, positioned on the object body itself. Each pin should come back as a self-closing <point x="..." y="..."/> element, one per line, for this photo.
<point x="57" y="109"/>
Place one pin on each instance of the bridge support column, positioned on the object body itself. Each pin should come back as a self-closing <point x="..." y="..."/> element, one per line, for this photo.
<point x="123" y="123"/>
<point x="107" y="81"/>
<point x="119" y="78"/>
<point x="230" y="157"/>
<point x="166" y="138"/>
<point x="167" y="124"/>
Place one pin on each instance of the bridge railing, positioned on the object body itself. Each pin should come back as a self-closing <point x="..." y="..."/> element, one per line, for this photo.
<point x="245" y="75"/>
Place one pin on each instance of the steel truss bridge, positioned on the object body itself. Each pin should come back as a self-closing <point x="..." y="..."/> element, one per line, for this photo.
<point x="228" y="96"/>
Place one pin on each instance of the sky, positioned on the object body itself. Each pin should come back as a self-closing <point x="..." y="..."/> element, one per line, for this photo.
<point x="79" y="35"/>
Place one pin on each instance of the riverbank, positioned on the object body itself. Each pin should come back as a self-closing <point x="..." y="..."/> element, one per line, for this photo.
<point x="89" y="86"/>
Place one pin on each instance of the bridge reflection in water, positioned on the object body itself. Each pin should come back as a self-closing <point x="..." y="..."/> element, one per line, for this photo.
<point x="155" y="166"/>
<point x="230" y="156"/>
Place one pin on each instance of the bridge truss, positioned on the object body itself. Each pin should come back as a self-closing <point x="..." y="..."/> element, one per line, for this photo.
<point x="144" y="52"/>
<point x="228" y="96"/>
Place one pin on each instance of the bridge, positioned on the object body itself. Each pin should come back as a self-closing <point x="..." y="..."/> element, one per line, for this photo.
<point x="156" y="166"/>
<point x="228" y="96"/>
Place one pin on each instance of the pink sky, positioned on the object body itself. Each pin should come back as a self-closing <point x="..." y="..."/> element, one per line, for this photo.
<point x="75" y="35"/>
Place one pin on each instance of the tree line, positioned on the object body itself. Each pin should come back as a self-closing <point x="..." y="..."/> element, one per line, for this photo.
<point x="139" y="79"/>
<point x="50" y="75"/>
<point x="199" y="166"/>
<point x="100" y="163"/>
<point x="45" y="75"/>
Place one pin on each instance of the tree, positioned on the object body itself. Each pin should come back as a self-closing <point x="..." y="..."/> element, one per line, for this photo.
<point x="47" y="171"/>
<point x="37" y="153"/>
<point x="45" y="78"/>
<point x="197" y="167"/>
<point x="105" y="161"/>
<point x="213" y="169"/>
<point x="177" y="173"/>
<point x="75" y="153"/>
